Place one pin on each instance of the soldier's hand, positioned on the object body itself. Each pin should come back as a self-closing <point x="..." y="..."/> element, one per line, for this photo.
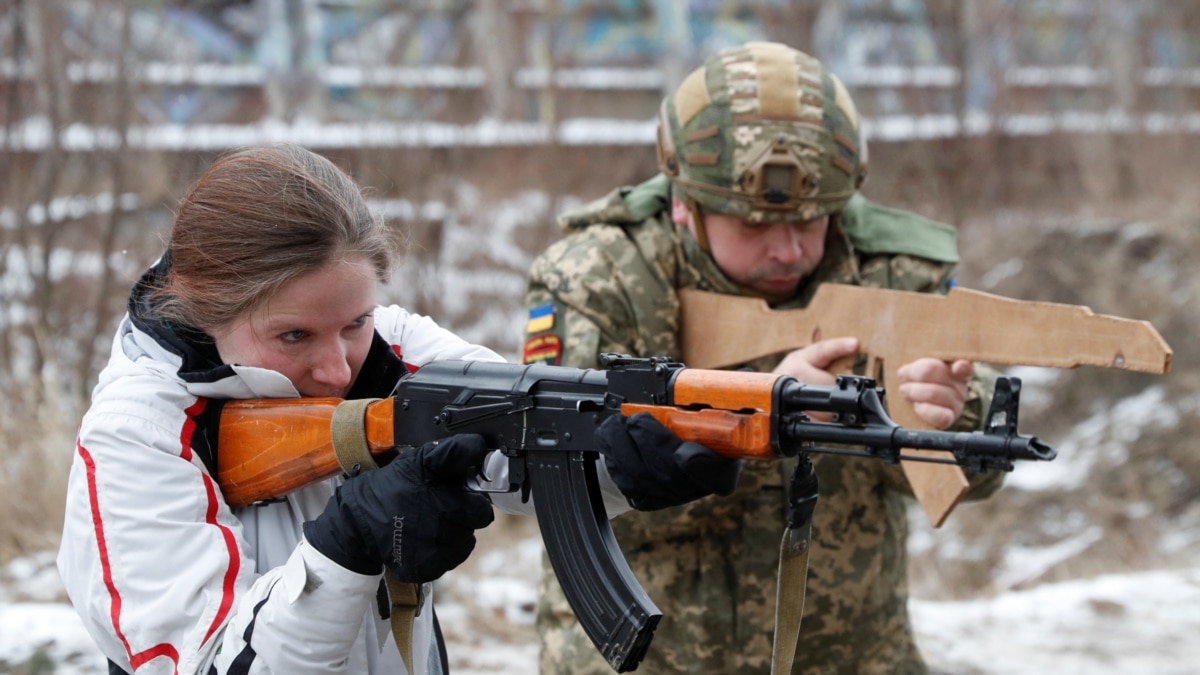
<point x="937" y="389"/>
<point x="810" y="365"/>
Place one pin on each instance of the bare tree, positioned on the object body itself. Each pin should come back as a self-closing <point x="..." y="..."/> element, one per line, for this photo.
<point x="42" y="23"/>
<point x="102" y="310"/>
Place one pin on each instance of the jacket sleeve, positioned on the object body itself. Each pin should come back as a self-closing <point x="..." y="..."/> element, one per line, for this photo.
<point x="158" y="569"/>
<point x="301" y="617"/>
<point x="419" y="339"/>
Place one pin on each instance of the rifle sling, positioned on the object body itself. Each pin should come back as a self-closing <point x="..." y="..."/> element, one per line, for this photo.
<point x="802" y="495"/>
<point x="348" y="430"/>
<point x="406" y="605"/>
<point x="789" y="596"/>
<point x="349" y="433"/>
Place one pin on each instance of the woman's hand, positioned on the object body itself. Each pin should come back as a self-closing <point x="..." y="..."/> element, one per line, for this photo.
<point x="654" y="469"/>
<point x="415" y="516"/>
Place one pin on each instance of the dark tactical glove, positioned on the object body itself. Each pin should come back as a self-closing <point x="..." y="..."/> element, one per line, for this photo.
<point x="655" y="470"/>
<point x="414" y="515"/>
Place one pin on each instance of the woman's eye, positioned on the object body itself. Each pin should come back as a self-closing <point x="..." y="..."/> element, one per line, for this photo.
<point x="292" y="336"/>
<point x="361" y="321"/>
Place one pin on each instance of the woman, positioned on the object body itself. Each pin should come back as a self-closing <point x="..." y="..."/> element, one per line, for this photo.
<point x="268" y="290"/>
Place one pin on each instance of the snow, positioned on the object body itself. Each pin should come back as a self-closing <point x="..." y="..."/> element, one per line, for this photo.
<point x="439" y="76"/>
<point x="1136" y="623"/>
<point x="69" y="208"/>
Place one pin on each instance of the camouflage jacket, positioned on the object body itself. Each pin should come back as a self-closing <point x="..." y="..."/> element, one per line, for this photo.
<point x="611" y="286"/>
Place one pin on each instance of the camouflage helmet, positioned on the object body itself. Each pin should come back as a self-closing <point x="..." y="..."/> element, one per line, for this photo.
<point x="762" y="132"/>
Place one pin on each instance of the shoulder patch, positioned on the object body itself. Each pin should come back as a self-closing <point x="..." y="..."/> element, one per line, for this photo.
<point x="541" y="318"/>
<point x="543" y="348"/>
<point x="543" y="334"/>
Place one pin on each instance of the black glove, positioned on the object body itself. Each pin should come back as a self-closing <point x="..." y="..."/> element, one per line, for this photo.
<point x="414" y="515"/>
<point x="654" y="469"/>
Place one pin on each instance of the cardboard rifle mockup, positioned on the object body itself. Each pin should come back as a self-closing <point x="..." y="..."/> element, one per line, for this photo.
<point x="896" y="327"/>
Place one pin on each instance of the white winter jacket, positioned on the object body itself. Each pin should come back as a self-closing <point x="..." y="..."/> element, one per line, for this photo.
<point x="168" y="578"/>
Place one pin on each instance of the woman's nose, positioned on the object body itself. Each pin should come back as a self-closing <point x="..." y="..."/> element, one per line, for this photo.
<point x="332" y="367"/>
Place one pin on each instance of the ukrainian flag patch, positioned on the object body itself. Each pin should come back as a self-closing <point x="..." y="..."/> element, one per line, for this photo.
<point x="541" y="318"/>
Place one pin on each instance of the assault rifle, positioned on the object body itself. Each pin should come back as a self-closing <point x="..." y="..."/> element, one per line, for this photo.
<point x="543" y="417"/>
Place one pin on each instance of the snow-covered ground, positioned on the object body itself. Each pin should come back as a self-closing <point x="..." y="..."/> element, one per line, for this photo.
<point x="1136" y="623"/>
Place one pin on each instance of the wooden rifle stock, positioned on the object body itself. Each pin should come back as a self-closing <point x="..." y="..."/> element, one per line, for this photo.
<point x="275" y="446"/>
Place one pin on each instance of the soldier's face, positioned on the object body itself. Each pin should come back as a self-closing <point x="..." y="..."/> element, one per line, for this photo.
<point x="770" y="258"/>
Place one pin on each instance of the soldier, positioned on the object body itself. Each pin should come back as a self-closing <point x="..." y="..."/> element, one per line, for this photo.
<point x="761" y="156"/>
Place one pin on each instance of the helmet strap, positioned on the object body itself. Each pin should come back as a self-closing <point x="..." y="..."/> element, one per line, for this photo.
<point x="701" y="231"/>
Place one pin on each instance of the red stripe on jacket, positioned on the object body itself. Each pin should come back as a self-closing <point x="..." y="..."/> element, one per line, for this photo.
<point x="210" y="517"/>
<point x="228" y="585"/>
<point x="135" y="660"/>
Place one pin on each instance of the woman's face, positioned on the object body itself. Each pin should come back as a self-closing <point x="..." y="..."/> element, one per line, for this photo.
<point x="316" y="330"/>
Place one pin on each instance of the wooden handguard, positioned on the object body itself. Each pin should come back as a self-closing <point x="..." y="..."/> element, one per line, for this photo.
<point x="737" y="435"/>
